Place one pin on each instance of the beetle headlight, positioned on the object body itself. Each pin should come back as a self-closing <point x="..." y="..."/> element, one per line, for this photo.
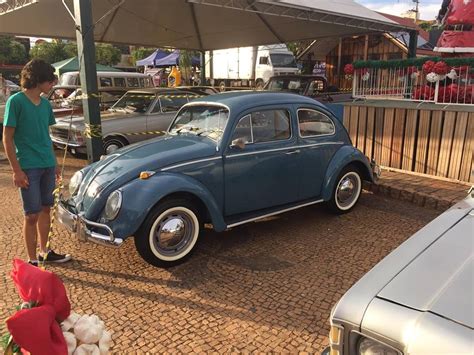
<point x="75" y="182"/>
<point x="371" y="347"/>
<point x="112" y="207"/>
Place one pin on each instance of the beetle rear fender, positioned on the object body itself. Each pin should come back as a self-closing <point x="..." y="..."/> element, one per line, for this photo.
<point x="140" y="196"/>
<point x="346" y="155"/>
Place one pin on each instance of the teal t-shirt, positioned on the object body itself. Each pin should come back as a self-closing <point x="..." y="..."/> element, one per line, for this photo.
<point x="34" y="148"/>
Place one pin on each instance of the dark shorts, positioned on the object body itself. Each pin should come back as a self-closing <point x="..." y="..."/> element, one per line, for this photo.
<point x="39" y="193"/>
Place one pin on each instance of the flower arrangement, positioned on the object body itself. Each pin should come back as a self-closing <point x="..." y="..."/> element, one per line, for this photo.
<point x="349" y="71"/>
<point x="42" y="325"/>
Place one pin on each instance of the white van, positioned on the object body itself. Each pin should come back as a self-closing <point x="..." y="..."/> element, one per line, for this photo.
<point x="111" y="80"/>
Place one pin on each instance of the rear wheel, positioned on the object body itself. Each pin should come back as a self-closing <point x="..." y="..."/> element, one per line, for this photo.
<point x="111" y="144"/>
<point x="347" y="190"/>
<point x="169" y="233"/>
<point x="222" y="86"/>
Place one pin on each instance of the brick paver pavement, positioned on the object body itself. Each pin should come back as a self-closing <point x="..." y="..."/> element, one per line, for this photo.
<point x="266" y="286"/>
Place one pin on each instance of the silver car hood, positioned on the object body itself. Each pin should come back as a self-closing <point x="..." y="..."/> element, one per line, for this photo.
<point x="441" y="279"/>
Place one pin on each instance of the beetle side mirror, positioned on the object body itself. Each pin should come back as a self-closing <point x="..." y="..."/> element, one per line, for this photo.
<point x="238" y="143"/>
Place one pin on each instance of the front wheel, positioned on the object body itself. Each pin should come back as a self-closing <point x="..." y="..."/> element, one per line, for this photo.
<point x="111" y="144"/>
<point x="169" y="233"/>
<point x="347" y="191"/>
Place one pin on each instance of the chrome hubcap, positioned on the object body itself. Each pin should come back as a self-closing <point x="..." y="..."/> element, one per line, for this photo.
<point x="347" y="190"/>
<point x="173" y="233"/>
<point x="111" y="148"/>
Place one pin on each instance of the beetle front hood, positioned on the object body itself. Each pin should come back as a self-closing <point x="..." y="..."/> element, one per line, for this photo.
<point x="127" y="163"/>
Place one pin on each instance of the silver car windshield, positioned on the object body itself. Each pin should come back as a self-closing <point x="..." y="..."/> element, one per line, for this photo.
<point x="134" y="102"/>
<point x="206" y="120"/>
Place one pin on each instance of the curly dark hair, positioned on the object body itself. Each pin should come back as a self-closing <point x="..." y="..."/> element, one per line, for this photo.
<point x="36" y="72"/>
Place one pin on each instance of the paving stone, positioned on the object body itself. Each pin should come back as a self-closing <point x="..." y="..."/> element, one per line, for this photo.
<point x="260" y="287"/>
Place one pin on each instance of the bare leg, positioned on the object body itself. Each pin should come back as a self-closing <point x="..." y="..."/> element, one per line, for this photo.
<point x="29" y="233"/>
<point x="44" y="221"/>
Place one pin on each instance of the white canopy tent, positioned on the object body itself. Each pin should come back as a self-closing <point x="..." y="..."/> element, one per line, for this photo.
<point x="196" y="24"/>
<point x="187" y="24"/>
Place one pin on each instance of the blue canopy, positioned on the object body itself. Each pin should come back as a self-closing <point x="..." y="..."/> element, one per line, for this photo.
<point x="173" y="59"/>
<point x="152" y="58"/>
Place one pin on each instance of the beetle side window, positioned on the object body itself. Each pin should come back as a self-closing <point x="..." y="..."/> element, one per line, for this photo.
<point x="270" y="125"/>
<point x="243" y="130"/>
<point x="105" y="82"/>
<point x="133" y="83"/>
<point x="119" y="82"/>
<point x="314" y="123"/>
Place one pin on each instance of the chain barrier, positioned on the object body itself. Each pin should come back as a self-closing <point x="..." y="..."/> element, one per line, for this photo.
<point x="87" y="96"/>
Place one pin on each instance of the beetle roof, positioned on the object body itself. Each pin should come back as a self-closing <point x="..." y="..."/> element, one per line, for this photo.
<point x="248" y="99"/>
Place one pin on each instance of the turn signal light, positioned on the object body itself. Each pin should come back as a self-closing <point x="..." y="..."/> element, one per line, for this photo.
<point x="146" y="174"/>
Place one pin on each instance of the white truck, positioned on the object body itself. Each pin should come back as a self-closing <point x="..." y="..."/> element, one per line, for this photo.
<point x="248" y="66"/>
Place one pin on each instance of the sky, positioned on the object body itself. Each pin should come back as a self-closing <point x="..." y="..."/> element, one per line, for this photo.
<point x="428" y="8"/>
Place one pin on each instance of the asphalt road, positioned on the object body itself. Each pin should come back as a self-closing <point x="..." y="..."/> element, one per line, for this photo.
<point x="265" y="286"/>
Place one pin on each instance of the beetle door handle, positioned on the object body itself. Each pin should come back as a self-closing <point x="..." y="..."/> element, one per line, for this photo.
<point x="296" y="151"/>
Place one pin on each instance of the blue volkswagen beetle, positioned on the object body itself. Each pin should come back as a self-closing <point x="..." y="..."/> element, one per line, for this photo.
<point x="226" y="160"/>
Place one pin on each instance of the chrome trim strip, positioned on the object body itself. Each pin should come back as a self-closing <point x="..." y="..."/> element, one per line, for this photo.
<point x="280" y="149"/>
<point x="70" y="144"/>
<point x="189" y="163"/>
<point x="274" y="213"/>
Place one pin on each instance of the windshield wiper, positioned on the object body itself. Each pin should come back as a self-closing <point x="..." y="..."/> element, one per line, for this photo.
<point x="210" y="131"/>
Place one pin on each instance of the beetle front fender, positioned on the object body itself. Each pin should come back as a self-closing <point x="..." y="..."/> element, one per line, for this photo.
<point x="140" y="196"/>
<point x="346" y="155"/>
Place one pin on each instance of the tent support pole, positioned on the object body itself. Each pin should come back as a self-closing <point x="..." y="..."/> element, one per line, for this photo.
<point x="412" y="44"/>
<point x="88" y="75"/>
<point x="203" y="67"/>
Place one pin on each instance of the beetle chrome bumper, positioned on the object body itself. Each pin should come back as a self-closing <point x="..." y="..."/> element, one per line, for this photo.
<point x="81" y="228"/>
<point x="376" y="171"/>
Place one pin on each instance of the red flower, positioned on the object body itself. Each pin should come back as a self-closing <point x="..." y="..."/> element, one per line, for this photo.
<point x="441" y="68"/>
<point x="37" y="329"/>
<point x="423" y="93"/>
<point x="348" y="69"/>
<point x="411" y="70"/>
<point x="428" y="66"/>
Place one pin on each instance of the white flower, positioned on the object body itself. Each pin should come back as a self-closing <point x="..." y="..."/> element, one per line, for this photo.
<point x="69" y="322"/>
<point x="71" y="342"/>
<point x="432" y="77"/>
<point x="87" y="349"/>
<point x="452" y="74"/>
<point x="365" y="76"/>
<point x="105" y="342"/>
<point x="88" y="329"/>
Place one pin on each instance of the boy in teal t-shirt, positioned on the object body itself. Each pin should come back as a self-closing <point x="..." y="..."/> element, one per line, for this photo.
<point x="30" y="152"/>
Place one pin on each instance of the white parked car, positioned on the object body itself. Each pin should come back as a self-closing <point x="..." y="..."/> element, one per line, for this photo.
<point x="417" y="300"/>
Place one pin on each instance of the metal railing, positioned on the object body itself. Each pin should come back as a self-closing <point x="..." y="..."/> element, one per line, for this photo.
<point x="409" y="83"/>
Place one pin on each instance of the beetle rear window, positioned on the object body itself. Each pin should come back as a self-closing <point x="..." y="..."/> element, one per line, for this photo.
<point x="314" y="123"/>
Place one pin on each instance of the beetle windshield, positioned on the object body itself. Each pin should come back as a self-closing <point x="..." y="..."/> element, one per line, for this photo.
<point x="134" y="102"/>
<point x="206" y="120"/>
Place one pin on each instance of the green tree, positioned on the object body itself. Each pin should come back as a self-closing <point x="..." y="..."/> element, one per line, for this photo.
<point x="106" y="54"/>
<point x="185" y="65"/>
<point x="51" y="52"/>
<point x="141" y="53"/>
<point x="11" y="51"/>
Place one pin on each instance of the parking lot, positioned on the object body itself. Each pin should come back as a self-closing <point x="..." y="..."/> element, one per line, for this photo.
<point x="266" y="286"/>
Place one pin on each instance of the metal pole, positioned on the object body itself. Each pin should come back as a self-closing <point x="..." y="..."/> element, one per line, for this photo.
<point x="203" y="67"/>
<point x="88" y="75"/>
<point x="412" y="44"/>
